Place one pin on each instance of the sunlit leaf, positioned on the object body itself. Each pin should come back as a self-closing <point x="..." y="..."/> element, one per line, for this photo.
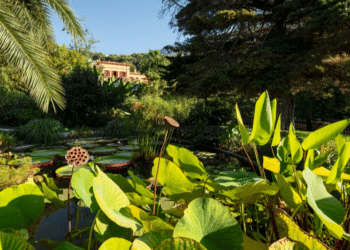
<point x="287" y="244"/>
<point x="339" y="165"/>
<point x="287" y="192"/>
<point x="112" y="243"/>
<point x="271" y="164"/>
<point x="179" y="244"/>
<point x="149" y="241"/>
<point x="52" y="196"/>
<point x="236" y="178"/>
<point x="277" y="134"/>
<point x="12" y="241"/>
<point x="250" y="244"/>
<point x="246" y="138"/>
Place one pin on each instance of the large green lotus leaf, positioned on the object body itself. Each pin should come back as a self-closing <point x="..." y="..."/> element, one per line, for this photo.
<point x="138" y="200"/>
<point x="339" y="165"/>
<point x="231" y="179"/>
<point x="277" y="134"/>
<point x="105" y="229"/>
<point x="171" y="177"/>
<point x="20" y="206"/>
<point x="325" y="134"/>
<point x="210" y="185"/>
<point x="287" y="192"/>
<point x="288" y="228"/>
<point x="327" y="207"/>
<point x="263" y="121"/>
<point x="287" y="244"/>
<point x="148" y="241"/>
<point x="122" y="182"/>
<point x="295" y="147"/>
<point x="252" y="190"/>
<point x="250" y="244"/>
<point x="66" y="171"/>
<point x="52" y="185"/>
<point x="82" y="185"/>
<point x="187" y="161"/>
<point x="140" y="186"/>
<point x="52" y="196"/>
<point x="65" y="245"/>
<point x="111" y="200"/>
<point x="246" y="138"/>
<point x="179" y="244"/>
<point x="11" y="241"/>
<point x="209" y="222"/>
<point x="116" y="243"/>
<point x="149" y="223"/>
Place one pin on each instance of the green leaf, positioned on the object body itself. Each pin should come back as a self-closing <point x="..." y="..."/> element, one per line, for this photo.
<point x="287" y="244"/>
<point x="180" y="244"/>
<point x="250" y="244"/>
<point x="295" y="147"/>
<point x="65" y="245"/>
<point x="111" y="200"/>
<point x="263" y="121"/>
<point x="277" y="134"/>
<point x="207" y="221"/>
<point x="327" y="207"/>
<point x="52" y="185"/>
<point x="244" y="133"/>
<point x="284" y="154"/>
<point x="12" y="241"/>
<point x="340" y="140"/>
<point x="52" y="196"/>
<point x="287" y="192"/>
<point x="236" y="178"/>
<point x="322" y="135"/>
<point x="82" y="185"/>
<point x="140" y="186"/>
<point x="310" y="158"/>
<point x="20" y="206"/>
<point x="138" y="200"/>
<point x="105" y="229"/>
<point x="187" y="161"/>
<point x="288" y="228"/>
<point x="124" y="184"/>
<point x="112" y="243"/>
<point x="149" y="241"/>
<point x="274" y="111"/>
<point x="271" y="164"/>
<point x="252" y="191"/>
<point x="339" y="165"/>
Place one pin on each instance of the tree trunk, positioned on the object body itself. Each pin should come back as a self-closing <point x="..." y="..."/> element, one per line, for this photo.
<point x="286" y="106"/>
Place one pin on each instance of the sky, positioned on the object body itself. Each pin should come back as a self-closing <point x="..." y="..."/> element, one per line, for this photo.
<point x="121" y="26"/>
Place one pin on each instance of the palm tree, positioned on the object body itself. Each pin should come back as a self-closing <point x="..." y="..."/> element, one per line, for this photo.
<point x="26" y="34"/>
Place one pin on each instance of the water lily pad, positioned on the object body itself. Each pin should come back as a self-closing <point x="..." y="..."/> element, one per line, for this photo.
<point x="37" y="161"/>
<point x="102" y="151"/>
<point x="115" y="161"/>
<point x="48" y="152"/>
<point x="115" y="145"/>
<point x="129" y="148"/>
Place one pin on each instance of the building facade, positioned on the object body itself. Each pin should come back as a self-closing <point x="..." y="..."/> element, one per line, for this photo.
<point x="119" y="70"/>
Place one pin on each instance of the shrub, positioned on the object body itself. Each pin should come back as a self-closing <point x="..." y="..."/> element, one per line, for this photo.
<point x="40" y="131"/>
<point x="6" y="141"/>
<point x="117" y="128"/>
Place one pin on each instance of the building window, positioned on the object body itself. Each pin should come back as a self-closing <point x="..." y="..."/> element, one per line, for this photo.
<point x="115" y="73"/>
<point x="122" y="74"/>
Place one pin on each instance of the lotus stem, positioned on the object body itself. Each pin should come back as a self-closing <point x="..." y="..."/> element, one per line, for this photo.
<point x="155" y="183"/>
<point x="69" y="217"/>
<point x="92" y="228"/>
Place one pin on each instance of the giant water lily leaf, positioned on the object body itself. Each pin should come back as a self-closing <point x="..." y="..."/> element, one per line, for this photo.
<point x="149" y="241"/>
<point x="140" y="186"/>
<point x="231" y="179"/>
<point x="327" y="207"/>
<point x="187" y="161"/>
<point x="209" y="222"/>
<point x="52" y="196"/>
<point x="111" y="200"/>
<point x="271" y="164"/>
<point x="322" y="135"/>
<point x="116" y="243"/>
<point x="287" y="192"/>
<point x="338" y="168"/>
<point x="246" y="138"/>
<point x="82" y="185"/>
<point x="138" y="200"/>
<point x="295" y="147"/>
<point x="287" y="244"/>
<point x="12" y="241"/>
<point x="172" y="178"/>
<point x="252" y="191"/>
<point x="277" y="134"/>
<point x="179" y="244"/>
<point x="263" y="122"/>
<point x="65" y="245"/>
<point x="288" y="228"/>
<point x="149" y="223"/>
<point x="105" y="229"/>
<point x="250" y="244"/>
<point x="20" y="206"/>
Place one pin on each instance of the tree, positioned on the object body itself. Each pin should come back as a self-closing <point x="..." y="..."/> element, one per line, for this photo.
<point x="281" y="45"/>
<point x="26" y="33"/>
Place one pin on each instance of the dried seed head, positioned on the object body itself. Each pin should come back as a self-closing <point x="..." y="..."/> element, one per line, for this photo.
<point x="170" y="123"/>
<point x="77" y="156"/>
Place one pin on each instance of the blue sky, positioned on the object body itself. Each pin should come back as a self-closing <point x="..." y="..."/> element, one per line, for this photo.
<point x="121" y="26"/>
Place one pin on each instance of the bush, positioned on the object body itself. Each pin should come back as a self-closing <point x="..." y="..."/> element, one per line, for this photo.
<point x="118" y="128"/>
<point x="6" y="141"/>
<point x="40" y="131"/>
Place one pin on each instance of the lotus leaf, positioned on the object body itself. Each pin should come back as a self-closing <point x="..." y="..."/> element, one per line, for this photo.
<point x="52" y="196"/>
<point x="65" y="245"/>
<point x="180" y="244"/>
<point x="138" y="200"/>
<point x="250" y="244"/>
<point x="140" y="186"/>
<point x="12" y="241"/>
<point x="111" y="244"/>
<point x="246" y="138"/>
<point x="236" y="178"/>
<point x="149" y="241"/>
<point x="209" y="222"/>
<point x="66" y="171"/>
<point x="287" y="244"/>
<point x="20" y="206"/>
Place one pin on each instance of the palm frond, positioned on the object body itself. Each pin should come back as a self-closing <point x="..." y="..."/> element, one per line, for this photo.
<point x="65" y="12"/>
<point x="30" y="58"/>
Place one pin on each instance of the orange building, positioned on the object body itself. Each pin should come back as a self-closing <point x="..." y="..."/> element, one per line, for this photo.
<point x="119" y="70"/>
